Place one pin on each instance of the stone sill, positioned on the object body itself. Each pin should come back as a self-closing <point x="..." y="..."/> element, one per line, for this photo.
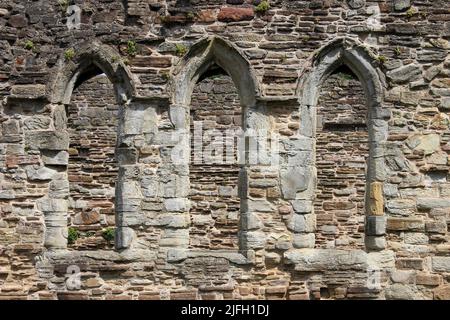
<point x="179" y="255"/>
<point x="126" y="256"/>
<point x="312" y="260"/>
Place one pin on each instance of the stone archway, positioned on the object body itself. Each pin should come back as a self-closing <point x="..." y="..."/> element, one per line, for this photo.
<point x="105" y="59"/>
<point x="216" y="51"/>
<point x="361" y="61"/>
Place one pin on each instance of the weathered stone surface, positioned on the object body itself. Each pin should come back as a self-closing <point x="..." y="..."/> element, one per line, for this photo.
<point x="442" y="293"/>
<point x="294" y="180"/>
<point x="302" y="223"/>
<point x="48" y="140"/>
<point x="59" y="158"/>
<point x="375" y="225"/>
<point x="97" y="152"/>
<point x="376" y="199"/>
<point x="400" y="5"/>
<point x="37" y="123"/>
<point x="41" y="173"/>
<point x="304" y="240"/>
<point x="426" y="143"/>
<point x="399" y="291"/>
<point x="356" y="4"/>
<point x="440" y="264"/>
<point x="405" y="74"/>
<point x="28" y="91"/>
<point x="230" y="14"/>
<point x="432" y="203"/>
<point x="326" y="259"/>
<point x="405" y="224"/>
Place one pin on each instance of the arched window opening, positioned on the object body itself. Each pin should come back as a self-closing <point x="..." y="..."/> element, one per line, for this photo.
<point x="215" y="118"/>
<point x="342" y="153"/>
<point x="92" y="125"/>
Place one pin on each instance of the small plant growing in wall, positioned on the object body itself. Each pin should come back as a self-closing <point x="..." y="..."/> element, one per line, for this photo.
<point x="382" y="59"/>
<point x="165" y="76"/>
<point x="180" y="49"/>
<point x="262" y="7"/>
<point x="29" y="45"/>
<point x="69" y="54"/>
<point x="398" y="51"/>
<point x="190" y="15"/>
<point x="131" y="48"/>
<point x="63" y="4"/>
<point x="72" y="235"/>
<point x="412" y="12"/>
<point x="108" y="234"/>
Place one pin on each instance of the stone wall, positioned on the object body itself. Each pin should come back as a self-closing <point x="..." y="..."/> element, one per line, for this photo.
<point x="389" y="241"/>
<point x="342" y="151"/>
<point x="215" y="115"/>
<point x="92" y="171"/>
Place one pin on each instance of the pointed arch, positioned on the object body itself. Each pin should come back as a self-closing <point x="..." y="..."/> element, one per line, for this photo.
<point x="363" y="63"/>
<point x="93" y="55"/>
<point x="89" y="60"/>
<point x="201" y="56"/>
<point x="199" y="59"/>
<point x="355" y="55"/>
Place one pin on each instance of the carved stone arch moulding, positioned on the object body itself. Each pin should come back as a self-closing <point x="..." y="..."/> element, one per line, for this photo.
<point x="362" y="62"/>
<point x="104" y="58"/>
<point x="201" y="56"/>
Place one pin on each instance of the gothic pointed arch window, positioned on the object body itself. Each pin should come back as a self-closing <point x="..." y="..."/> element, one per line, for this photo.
<point x="88" y="95"/>
<point x="341" y="108"/>
<point x="92" y="124"/>
<point x="342" y="154"/>
<point x="215" y="87"/>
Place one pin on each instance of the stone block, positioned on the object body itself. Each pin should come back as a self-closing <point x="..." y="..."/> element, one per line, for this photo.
<point x="401" y="5"/>
<point x="302" y="223"/>
<point x="356" y="4"/>
<point x="253" y="240"/>
<point x="302" y="206"/>
<point x="232" y="14"/>
<point x="55" y="158"/>
<point x="442" y="293"/>
<point x="326" y="259"/>
<point x="176" y="205"/>
<point x="375" y="225"/>
<point x="28" y="91"/>
<point x="440" y="264"/>
<point x="293" y="180"/>
<point x="405" y="224"/>
<point x="399" y="291"/>
<point x="405" y="74"/>
<point x="304" y="240"/>
<point x="375" y="242"/>
<point x="432" y="203"/>
<point x="49" y="140"/>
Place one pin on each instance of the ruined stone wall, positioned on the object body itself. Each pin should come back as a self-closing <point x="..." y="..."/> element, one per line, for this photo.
<point x="214" y="172"/>
<point x="342" y="151"/>
<point x="282" y="62"/>
<point x="92" y="171"/>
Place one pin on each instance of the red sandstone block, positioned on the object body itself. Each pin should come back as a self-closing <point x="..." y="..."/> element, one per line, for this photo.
<point x="184" y="295"/>
<point x="12" y="162"/>
<point x="302" y="296"/>
<point x="206" y="16"/>
<point x="228" y="14"/>
<point x="150" y="61"/>
<point x="149" y="296"/>
<point x="72" y="295"/>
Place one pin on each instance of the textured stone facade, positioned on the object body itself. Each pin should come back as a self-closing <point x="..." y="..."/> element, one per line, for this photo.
<point x="100" y="197"/>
